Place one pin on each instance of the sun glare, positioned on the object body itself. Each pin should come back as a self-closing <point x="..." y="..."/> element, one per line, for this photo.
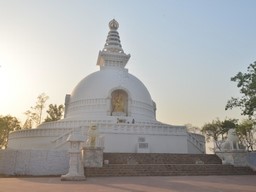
<point x="11" y="86"/>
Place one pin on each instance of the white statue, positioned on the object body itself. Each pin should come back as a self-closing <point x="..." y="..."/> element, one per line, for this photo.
<point x="92" y="136"/>
<point x="93" y="150"/>
<point x="232" y="141"/>
<point x="231" y="152"/>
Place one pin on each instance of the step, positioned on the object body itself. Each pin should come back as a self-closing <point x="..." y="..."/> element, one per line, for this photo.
<point x="160" y="158"/>
<point x="167" y="170"/>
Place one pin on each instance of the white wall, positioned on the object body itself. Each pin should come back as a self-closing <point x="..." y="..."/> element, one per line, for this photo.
<point x="118" y="137"/>
<point x="33" y="162"/>
<point x="31" y="142"/>
<point x="127" y="143"/>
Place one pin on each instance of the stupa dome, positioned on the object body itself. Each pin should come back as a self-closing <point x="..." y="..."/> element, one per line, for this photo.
<point x="101" y="83"/>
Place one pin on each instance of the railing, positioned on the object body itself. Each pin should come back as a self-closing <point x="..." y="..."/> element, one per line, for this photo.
<point x="137" y="128"/>
<point x="79" y="123"/>
<point x="50" y="132"/>
<point x="71" y="124"/>
<point x="196" y="142"/>
<point x="62" y="139"/>
<point x="155" y="129"/>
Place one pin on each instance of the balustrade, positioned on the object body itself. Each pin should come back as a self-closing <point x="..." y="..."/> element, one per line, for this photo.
<point x="194" y="140"/>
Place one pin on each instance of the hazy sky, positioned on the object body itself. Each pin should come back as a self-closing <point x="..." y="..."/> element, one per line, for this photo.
<point x="184" y="51"/>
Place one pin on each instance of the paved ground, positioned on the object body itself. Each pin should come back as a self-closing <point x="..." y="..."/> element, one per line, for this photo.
<point x="135" y="184"/>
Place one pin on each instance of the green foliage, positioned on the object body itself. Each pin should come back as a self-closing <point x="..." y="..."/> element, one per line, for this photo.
<point x="228" y="124"/>
<point x="246" y="82"/>
<point x="55" y="113"/>
<point x="34" y="115"/>
<point x="212" y="130"/>
<point x="217" y="130"/>
<point x="246" y="131"/>
<point x="7" y="124"/>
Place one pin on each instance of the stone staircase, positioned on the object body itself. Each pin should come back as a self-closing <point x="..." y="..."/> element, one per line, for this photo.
<point x="143" y="164"/>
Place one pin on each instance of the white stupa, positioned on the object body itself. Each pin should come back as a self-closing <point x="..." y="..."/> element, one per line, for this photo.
<point x="120" y="106"/>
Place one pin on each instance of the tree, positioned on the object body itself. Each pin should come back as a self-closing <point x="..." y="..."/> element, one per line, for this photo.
<point x="7" y="124"/>
<point x="55" y="113"/>
<point x="217" y="130"/>
<point x="226" y="125"/>
<point x="28" y="123"/>
<point x="246" y="131"/>
<point x="212" y="131"/>
<point x="34" y="115"/>
<point x="246" y="82"/>
<point x="193" y="129"/>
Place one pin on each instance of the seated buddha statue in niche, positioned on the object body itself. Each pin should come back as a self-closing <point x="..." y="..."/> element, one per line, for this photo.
<point x="118" y="103"/>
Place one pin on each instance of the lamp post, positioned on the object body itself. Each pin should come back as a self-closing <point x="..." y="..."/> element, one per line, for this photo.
<point x="76" y="169"/>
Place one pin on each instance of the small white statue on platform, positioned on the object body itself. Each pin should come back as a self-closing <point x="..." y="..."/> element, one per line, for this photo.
<point x="231" y="152"/>
<point x="93" y="150"/>
<point x="92" y="136"/>
<point x="232" y="141"/>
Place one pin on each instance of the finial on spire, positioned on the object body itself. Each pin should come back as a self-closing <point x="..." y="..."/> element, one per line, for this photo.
<point x="113" y="24"/>
<point x="113" y="43"/>
<point x="112" y="53"/>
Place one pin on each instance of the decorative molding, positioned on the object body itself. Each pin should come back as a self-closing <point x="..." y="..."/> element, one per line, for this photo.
<point x="49" y="132"/>
<point x="103" y="105"/>
<point x="122" y="128"/>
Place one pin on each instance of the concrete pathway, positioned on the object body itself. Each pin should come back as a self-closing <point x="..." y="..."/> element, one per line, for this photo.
<point x="135" y="184"/>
